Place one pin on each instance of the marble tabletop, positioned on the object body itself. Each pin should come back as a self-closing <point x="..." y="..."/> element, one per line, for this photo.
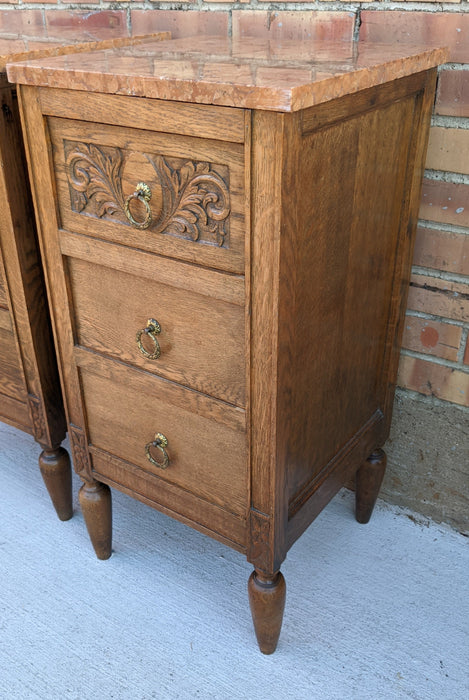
<point x="252" y="73"/>
<point x="22" y="48"/>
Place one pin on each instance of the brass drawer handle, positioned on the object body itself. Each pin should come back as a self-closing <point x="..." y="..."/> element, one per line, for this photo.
<point x="143" y="194"/>
<point x="152" y="330"/>
<point x="159" y="442"/>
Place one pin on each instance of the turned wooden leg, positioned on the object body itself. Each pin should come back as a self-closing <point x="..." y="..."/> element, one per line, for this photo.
<point x="368" y="483"/>
<point x="57" y="475"/>
<point x="267" y="602"/>
<point x="95" y="501"/>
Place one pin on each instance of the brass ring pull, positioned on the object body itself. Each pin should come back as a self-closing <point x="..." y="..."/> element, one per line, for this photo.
<point x="152" y="330"/>
<point x="160" y="442"/>
<point x="143" y="194"/>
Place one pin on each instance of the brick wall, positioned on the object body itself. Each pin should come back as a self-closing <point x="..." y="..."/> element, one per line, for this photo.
<point x="435" y="358"/>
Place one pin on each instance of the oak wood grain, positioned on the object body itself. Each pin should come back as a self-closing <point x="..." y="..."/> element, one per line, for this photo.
<point x="267" y="515"/>
<point x="15" y="412"/>
<point x="202" y="121"/>
<point x="11" y="375"/>
<point x="336" y="321"/>
<point x="194" y="280"/>
<point x="206" y="457"/>
<point x="178" y="503"/>
<point x="110" y="307"/>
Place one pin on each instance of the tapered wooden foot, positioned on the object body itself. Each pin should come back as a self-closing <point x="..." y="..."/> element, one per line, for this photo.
<point x="57" y="475"/>
<point x="267" y="601"/>
<point x="368" y="483"/>
<point x="95" y="501"/>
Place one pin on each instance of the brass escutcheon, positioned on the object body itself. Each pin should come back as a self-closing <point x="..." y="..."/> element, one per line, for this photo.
<point x="143" y="194"/>
<point x="152" y="329"/>
<point x="160" y="442"/>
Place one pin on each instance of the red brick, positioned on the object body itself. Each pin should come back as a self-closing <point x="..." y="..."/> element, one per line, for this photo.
<point x="431" y="379"/>
<point x="445" y="202"/>
<point x="438" y="297"/>
<point x="9" y="46"/>
<point x="453" y="93"/>
<point x="180" y="24"/>
<point x="77" y="2"/>
<point x="86" y="26"/>
<point x="442" y="250"/>
<point x="314" y="25"/>
<point x="230" y="1"/>
<point x="449" y="29"/>
<point x="24" y="23"/>
<point x="448" y="149"/>
<point x="432" y="337"/>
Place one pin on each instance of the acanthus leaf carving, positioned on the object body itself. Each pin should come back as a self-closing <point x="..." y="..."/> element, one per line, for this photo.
<point x="195" y="202"/>
<point x="95" y="173"/>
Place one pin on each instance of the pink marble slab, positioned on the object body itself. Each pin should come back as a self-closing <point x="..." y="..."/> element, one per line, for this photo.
<point x="248" y="72"/>
<point x="21" y="48"/>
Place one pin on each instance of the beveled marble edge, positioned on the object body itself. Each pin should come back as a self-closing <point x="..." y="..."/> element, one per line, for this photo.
<point x="56" y="47"/>
<point x="409" y="59"/>
<point x="366" y="77"/>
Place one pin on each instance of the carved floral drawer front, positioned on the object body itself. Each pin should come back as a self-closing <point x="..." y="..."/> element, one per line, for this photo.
<point x="11" y="376"/>
<point x="172" y="433"/>
<point x="169" y="194"/>
<point x="151" y="313"/>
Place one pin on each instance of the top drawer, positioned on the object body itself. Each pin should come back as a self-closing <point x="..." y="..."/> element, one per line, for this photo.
<point x="174" y="195"/>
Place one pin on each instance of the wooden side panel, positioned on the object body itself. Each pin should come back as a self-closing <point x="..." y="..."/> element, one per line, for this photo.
<point x="404" y="254"/>
<point x="16" y="413"/>
<point x="11" y="376"/>
<point x="338" y="291"/>
<point x="13" y="408"/>
<point x="23" y="277"/>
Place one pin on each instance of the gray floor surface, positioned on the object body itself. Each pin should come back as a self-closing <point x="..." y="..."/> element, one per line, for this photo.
<point x="373" y="612"/>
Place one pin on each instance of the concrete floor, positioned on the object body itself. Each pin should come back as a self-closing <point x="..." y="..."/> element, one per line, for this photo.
<point x="373" y="612"/>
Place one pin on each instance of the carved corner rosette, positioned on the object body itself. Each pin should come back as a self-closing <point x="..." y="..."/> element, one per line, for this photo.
<point x="195" y="203"/>
<point x="81" y="458"/>
<point x="37" y="419"/>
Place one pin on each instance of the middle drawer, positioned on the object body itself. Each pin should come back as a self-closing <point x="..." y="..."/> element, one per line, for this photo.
<point x="169" y="318"/>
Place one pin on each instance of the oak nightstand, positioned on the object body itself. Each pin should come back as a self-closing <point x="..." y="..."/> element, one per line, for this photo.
<point x="227" y="232"/>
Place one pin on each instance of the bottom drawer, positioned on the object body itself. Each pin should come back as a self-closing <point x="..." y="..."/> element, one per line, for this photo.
<point x="11" y="374"/>
<point x="206" y="450"/>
